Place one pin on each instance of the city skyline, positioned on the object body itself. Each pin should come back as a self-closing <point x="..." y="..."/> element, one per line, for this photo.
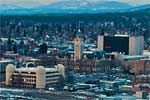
<point x="74" y="50"/>
<point x="35" y="3"/>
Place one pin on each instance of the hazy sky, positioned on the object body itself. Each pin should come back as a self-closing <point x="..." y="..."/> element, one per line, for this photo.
<point x="32" y="3"/>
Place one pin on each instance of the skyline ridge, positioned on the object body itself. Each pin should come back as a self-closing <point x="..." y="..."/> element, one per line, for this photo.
<point x="36" y="3"/>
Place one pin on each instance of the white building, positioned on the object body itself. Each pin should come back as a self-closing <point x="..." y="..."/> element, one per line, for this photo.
<point x="34" y="77"/>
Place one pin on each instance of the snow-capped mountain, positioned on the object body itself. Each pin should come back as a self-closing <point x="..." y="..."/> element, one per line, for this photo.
<point x="74" y="6"/>
<point x="147" y="6"/>
<point x="9" y="7"/>
<point x="86" y="5"/>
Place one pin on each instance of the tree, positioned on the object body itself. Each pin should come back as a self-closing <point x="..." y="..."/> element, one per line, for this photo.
<point x="15" y="48"/>
<point x="43" y="48"/>
<point x="9" y="43"/>
<point x="22" y="44"/>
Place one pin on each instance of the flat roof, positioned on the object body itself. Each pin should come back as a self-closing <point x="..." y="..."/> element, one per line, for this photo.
<point x="32" y="59"/>
<point x="146" y="52"/>
<point x="6" y="60"/>
<point x="147" y="75"/>
<point x="33" y="69"/>
<point x="135" y="57"/>
<point x="148" y="59"/>
<point x="121" y="35"/>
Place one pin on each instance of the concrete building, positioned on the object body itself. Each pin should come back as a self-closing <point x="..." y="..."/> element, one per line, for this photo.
<point x="136" y="64"/>
<point x="139" y="79"/>
<point x="3" y="64"/>
<point x="122" y="44"/>
<point x="136" y="45"/>
<point x="78" y="48"/>
<point x="34" y="77"/>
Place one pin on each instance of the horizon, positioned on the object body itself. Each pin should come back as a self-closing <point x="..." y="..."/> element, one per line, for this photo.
<point x="36" y="3"/>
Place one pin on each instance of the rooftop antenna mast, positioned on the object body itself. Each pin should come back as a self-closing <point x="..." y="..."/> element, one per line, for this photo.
<point x="79" y="30"/>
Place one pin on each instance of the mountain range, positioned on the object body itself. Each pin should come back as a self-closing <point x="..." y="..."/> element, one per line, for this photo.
<point x="79" y="6"/>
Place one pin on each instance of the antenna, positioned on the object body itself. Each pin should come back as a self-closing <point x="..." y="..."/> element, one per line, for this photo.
<point x="79" y="30"/>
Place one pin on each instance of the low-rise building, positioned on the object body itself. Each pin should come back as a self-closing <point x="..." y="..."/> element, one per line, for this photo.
<point x="3" y="64"/>
<point x="136" y="64"/>
<point x="142" y="87"/>
<point x="34" y="77"/>
<point x="86" y="65"/>
<point x="139" y="79"/>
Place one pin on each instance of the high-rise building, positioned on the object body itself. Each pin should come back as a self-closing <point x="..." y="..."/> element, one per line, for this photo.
<point x="124" y="44"/>
<point x="136" y="45"/>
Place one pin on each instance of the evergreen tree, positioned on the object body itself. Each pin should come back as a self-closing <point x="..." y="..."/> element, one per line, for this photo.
<point x="43" y="48"/>
<point x="9" y="43"/>
<point x="15" y="48"/>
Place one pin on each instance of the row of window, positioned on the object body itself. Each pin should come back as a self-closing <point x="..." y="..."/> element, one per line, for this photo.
<point x="24" y="76"/>
<point x="25" y="72"/>
<point x="25" y="85"/>
<point x="53" y="79"/>
<point x="54" y="75"/>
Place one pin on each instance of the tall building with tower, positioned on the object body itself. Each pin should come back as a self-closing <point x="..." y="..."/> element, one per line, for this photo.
<point x="78" y="47"/>
<point x="124" y="44"/>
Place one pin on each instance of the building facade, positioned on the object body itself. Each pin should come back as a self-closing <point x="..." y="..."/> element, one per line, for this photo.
<point x="136" y="64"/>
<point x="3" y="64"/>
<point x="121" y="44"/>
<point x="34" y="77"/>
<point x="86" y="65"/>
<point x="136" y="45"/>
<point x="78" y="48"/>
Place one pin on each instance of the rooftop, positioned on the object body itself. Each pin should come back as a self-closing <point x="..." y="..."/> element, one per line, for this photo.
<point x="146" y="52"/>
<point x="135" y="57"/>
<point x="120" y="35"/>
<point x="6" y="60"/>
<point x="33" y="69"/>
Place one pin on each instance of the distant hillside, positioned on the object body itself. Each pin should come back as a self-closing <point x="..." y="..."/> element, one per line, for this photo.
<point x="86" y="5"/>
<point x="78" y="6"/>
<point x="9" y="7"/>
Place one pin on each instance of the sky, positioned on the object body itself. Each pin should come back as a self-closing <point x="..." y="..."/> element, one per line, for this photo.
<point x="34" y="3"/>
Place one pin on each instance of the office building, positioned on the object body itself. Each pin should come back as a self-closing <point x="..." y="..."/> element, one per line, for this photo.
<point x="124" y="44"/>
<point x="34" y="77"/>
<point x="136" y="45"/>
